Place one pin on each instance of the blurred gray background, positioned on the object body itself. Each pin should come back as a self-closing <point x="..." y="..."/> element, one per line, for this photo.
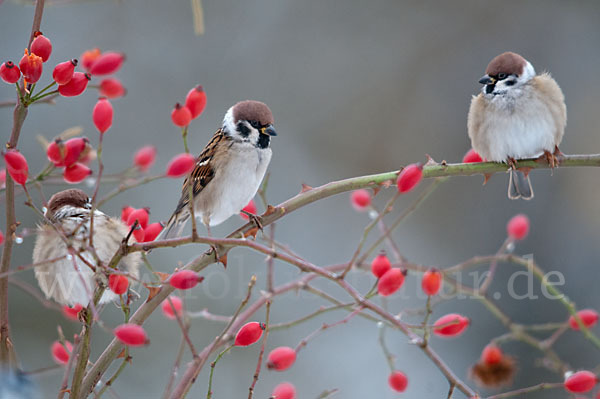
<point x="356" y="88"/>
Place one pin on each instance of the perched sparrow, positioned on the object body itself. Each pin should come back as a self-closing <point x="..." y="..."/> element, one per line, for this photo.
<point x="229" y="170"/>
<point x="517" y="115"/>
<point x="63" y="280"/>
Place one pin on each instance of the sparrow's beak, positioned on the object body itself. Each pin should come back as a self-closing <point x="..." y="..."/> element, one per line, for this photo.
<point x="487" y="80"/>
<point x="268" y="130"/>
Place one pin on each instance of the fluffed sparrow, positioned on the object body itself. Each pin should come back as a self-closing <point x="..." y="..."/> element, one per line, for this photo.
<point x="229" y="170"/>
<point x="517" y="115"/>
<point x="63" y="280"/>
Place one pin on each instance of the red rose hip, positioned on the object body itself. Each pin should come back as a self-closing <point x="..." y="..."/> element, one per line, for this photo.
<point x="450" y="325"/>
<point x="390" y="282"/>
<point x="72" y="313"/>
<point x="76" y="173"/>
<point x="409" y="178"/>
<point x="184" y="279"/>
<point x="472" y="157"/>
<point x="181" y="165"/>
<point x="398" y="381"/>
<point x="118" y="283"/>
<point x="76" y="85"/>
<point x="431" y="282"/>
<point x="107" y="63"/>
<point x="9" y="72"/>
<point x="380" y="265"/>
<point x="131" y="335"/>
<point x="281" y="358"/>
<point x="581" y="382"/>
<point x="41" y="46"/>
<point x="195" y="101"/>
<point x="102" y="115"/>
<point x="152" y="231"/>
<point x="31" y="67"/>
<point x="125" y="212"/>
<point x="144" y="157"/>
<point x="589" y="318"/>
<point x="63" y="72"/>
<point x="181" y="115"/>
<point x="249" y="333"/>
<point x="16" y="166"/>
<point x="491" y="355"/>
<point x="141" y="215"/>
<point x="112" y="88"/>
<point x="285" y="390"/>
<point x="360" y="199"/>
<point x="518" y="227"/>
<point x="170" y="309"/>
<point x="61" y="353"/>
<point x="89" y="57"/>
<point x="76" y="149"/>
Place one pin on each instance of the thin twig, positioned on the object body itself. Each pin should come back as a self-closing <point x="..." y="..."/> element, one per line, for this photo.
<point x="518" y="392"/>
<point x="19" y="115"/>
<point x="262" y="351"/>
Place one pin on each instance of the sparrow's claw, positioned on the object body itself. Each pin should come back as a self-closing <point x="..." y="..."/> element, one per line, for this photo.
<point x="551" y="158"/>
<point x="558" y="152"/>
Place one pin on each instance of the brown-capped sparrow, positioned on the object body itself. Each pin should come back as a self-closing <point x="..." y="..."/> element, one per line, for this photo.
<point x="63" y="279"/>
<point x="229" y="170"/>
<point x="517" y="115"/>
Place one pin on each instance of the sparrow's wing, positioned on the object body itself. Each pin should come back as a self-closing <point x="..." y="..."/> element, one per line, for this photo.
<point x="203" y="172"/>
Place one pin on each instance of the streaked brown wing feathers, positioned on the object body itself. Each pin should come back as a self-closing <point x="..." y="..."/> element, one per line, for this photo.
<point x="202" y="173"/>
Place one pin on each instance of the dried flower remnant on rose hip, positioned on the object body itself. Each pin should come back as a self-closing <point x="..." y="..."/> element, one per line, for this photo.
<point x="494" y="368"/>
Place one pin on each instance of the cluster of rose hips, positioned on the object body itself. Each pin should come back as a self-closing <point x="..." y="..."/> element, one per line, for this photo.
<point x="70" y="83"/>
<point x="195" y="101"/>
<point x="144" y="231"/>
<point x="74" y="154"/>
<point x="181" y="116"/>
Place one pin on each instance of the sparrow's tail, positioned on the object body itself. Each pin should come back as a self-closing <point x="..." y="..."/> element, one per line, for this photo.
<point x="174" y="226"/>
<point x="519" y="186"/>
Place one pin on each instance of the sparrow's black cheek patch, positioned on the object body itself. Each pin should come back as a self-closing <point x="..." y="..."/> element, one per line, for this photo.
<point x="263" y="141"/>
<point x="243" y="129"/>
<point x="489" y="88"/>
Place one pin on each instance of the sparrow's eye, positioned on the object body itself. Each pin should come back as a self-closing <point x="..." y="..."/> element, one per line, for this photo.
<point x="501" y="76"/>
<point x="255" y="124"/>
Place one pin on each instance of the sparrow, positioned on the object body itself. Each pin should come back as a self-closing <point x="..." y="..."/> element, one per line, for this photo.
<point x="63" y="280"/>
<point x="229" y="170"/>
<point x="517" y="115"/>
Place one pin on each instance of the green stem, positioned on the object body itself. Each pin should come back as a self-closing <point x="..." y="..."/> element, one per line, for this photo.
<point x="43" y="90"/>
<point x="184" y="132"/>
<point x="427" y="331"/>
<point x="39" y="97"/>
<point x="212" y="370"/>
<point x="562" y="298"/>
